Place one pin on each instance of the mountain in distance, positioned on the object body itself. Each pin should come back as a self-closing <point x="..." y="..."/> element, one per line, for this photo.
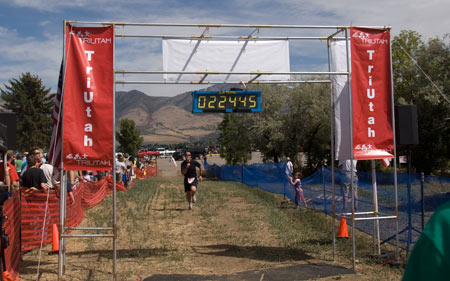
<point x="168" y="120"/>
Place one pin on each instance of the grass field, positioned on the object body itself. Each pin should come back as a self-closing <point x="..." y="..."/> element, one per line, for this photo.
<point x="232" y="228"/>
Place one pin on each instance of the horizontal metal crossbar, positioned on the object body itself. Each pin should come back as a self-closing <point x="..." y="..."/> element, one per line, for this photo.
<point x="222" y="37"/>
<point x="375" y="218"/>
<point x="86" y="235"/>
<point x="347" y="215"/>
<point x="89" y="228"/>
<point x="358" y="213"/>
<point x="220" y="82"/>
<point x="228" y="25"/>
<point x="235" y="73"/>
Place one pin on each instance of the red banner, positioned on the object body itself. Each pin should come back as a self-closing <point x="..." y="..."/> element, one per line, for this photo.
<point x="88" y="99"/>
<point x="371" y="94"/>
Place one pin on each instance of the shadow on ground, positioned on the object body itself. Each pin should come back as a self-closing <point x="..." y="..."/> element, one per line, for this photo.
<point x="271" y="254"/>
<point x="296" y="272"/>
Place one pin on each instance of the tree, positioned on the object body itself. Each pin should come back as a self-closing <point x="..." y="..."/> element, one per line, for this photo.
<point x="268" y="126"/>
<point x="308" y="124"/>
<point x="292" y="121"/>
<point x="33" y="104"/>
<point x="234" y="138"/>
<point x="129" y="137"/>
<point x="411" y="59"/>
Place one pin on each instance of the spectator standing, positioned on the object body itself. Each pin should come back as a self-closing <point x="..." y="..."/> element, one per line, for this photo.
<point x="346" y="166"/>
<point x="19" y="163"/>
<point x="11" y="176"/>
<point x="297" y="183"/>
<point x="289" y="168"/>
<point x="49" y="172"/>
<point x="38" y="155"/>
<point x="73" y="178"/>
<point x="33" y="178"/>
<point x="120" y="168"/>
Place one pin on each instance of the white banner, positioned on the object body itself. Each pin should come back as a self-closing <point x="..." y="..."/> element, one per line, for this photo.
<point x="342" y="107"/>
<point x="225" y="56"/>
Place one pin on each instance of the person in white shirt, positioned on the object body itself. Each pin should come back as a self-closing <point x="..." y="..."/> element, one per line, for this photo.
<point x="289" y="168"/>
<point x="346" y="166"/>
<point x="50" y="175"/>
<point x="120" y="168"/>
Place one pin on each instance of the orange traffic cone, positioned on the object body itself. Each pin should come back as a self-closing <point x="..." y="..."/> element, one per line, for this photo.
<point x="55" y="240"/>
<point x="343" y="232"/>
<point x="8" y="277"/>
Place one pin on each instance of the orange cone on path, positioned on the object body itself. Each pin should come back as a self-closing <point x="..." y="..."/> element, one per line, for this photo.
<point x="55" y="239"/>
<point x="343" y="232"/>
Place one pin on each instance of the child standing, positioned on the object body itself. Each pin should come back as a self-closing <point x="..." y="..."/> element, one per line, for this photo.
<point x="297" y="183"/>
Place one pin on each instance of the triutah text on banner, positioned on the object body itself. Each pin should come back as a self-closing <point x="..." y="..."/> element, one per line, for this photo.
<point x="371" y="94"/>
<point x="88" y="98"/>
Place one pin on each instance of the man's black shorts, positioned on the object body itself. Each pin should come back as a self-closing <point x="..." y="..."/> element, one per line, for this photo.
<point x="187" y="185"/>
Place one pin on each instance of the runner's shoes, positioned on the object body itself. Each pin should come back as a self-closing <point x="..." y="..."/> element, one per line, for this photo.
<point x="190" y="206"/>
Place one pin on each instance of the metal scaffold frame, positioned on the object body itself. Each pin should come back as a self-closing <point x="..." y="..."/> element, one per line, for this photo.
<point x="206" y="29"/>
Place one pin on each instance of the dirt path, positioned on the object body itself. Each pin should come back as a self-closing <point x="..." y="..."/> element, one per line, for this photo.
<point x="158" y="236"/>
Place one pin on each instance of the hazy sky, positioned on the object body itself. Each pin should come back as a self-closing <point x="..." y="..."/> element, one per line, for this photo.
<point x="31" y="31"/>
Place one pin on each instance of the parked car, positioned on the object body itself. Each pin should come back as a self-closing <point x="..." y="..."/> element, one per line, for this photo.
<point x="196" y="152"/>
<point x="162" y="152"/>
<point x="145" y="152"/>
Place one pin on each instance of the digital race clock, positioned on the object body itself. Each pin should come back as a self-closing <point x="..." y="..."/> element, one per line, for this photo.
<point x="226" y="101"/>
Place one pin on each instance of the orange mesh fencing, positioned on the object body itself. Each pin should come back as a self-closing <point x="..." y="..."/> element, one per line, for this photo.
<point x="147" y="172"/>
<point x="28" y="213"/>
<point x="11" y="209"/>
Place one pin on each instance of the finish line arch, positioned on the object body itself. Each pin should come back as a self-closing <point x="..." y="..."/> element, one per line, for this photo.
<point x="243" y="59"/>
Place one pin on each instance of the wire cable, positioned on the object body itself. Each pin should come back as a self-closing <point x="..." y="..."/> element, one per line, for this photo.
<point x="426" y="75"/>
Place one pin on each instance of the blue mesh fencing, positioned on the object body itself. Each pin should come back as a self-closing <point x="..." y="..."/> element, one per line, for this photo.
<point x="317" y="189"/>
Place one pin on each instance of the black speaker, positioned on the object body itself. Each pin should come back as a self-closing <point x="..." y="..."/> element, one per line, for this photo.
<point x="10" y="121"/>
<point x="406" y="129"/>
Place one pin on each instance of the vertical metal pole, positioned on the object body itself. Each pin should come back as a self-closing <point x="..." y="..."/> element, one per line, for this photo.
<point x="114" y="162"/>
<point x="63" y="179"/>
<point x="333" y="207"/>
<point x="376" y="223"/>
<point x="63" y="231"/>
<point x="408" y="190"/>
<point x="62" y="202"/>
<point x="324" y="190"/>
<point x="351" y="144"/>
<point x="395" y="159"/>
<point x="422" y="202"/>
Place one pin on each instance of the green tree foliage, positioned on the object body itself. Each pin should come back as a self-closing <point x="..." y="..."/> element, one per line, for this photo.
<point x="33" y="104"/>
<point x="297" y="119"/>
<point x="234" y="139"/>
<point x="308" y="125"/>
<point x="268" y="126"/>
<point x="292" y="121"/>
<point x="129" y="137"/>
<point x="413" y="87"/>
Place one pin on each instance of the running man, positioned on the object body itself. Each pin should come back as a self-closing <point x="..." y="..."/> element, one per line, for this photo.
<point x="188" y="169"/>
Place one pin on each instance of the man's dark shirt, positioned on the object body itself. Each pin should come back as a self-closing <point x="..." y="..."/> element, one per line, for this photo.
<point x="33" y="178"/>
<point x="191" y="172"/>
